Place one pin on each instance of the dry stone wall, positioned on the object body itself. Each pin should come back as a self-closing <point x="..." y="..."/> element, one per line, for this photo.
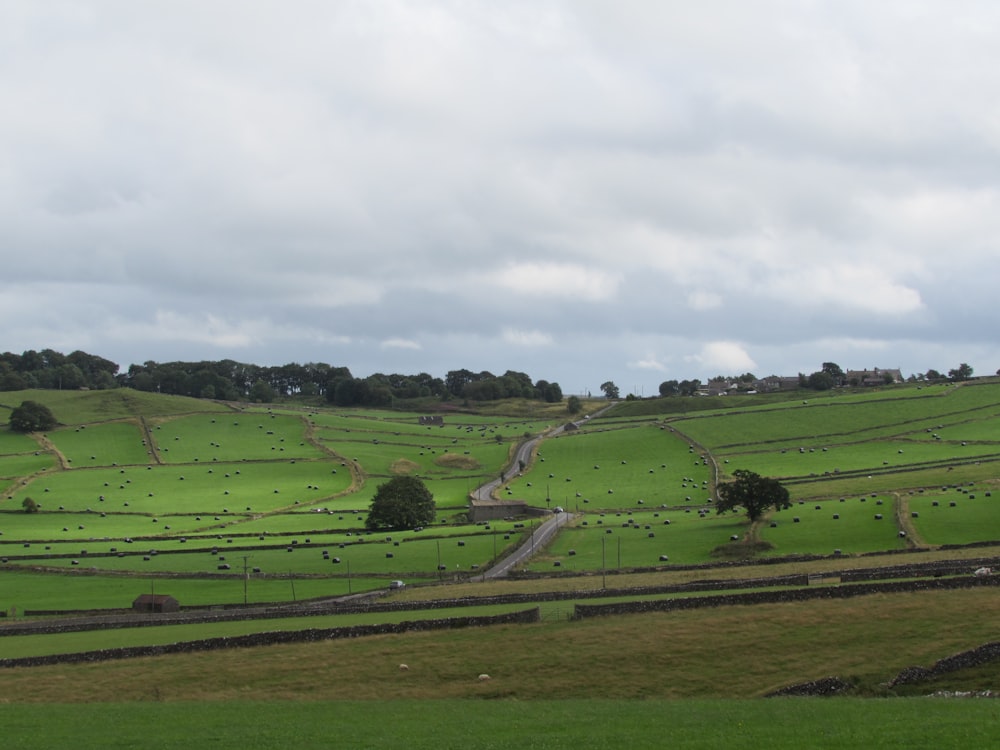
<point x="272" y="638"/>
<point x="843" y="591"/>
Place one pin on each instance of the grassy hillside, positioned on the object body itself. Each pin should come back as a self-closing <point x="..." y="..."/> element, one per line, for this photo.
<point x="141" y="493"/>
<point x="138" y="492"/>
<point x="143" y="484"/>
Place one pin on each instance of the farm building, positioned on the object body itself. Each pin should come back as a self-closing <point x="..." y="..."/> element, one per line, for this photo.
<point x="873" y="377"/>
<point x="435" y="420"/>
<point x="494" y="510"/>
<point x="156" y="603"/>
<point x="776" y="383"/>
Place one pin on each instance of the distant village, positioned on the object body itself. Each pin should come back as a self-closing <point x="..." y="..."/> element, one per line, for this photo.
<point x="853" y="378"/>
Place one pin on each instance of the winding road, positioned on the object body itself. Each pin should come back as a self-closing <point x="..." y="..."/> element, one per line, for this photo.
<point x="548" y="528"/>
<point x="540" y="536"/>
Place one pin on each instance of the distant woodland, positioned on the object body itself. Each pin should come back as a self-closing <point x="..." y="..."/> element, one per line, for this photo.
<point x="229" y="380"/>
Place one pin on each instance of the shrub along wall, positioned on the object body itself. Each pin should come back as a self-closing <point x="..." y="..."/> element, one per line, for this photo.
<point x="273" y="638"/>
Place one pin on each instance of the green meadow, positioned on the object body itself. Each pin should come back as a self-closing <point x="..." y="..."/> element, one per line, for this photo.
<point x="552" y="724"/>
<point x="224" y="504"/>
<point x="625" y="466"/>
<point x="640" y="539"/>
<point x="137" y="484"/>
<point x="855" y="525"/>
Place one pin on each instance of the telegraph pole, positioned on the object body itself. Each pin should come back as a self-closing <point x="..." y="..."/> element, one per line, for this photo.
<point x="604" y="564"/>
<point x="246" y="577"/>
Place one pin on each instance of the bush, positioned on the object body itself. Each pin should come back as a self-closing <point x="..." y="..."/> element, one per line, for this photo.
<point x="403" y="502"/>
<point x="31" y="416"/>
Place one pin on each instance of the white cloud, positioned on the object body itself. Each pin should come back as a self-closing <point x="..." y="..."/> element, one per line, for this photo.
<point x="397" y="343"/>
<point x="531" y="339"/>
<point x="168" y="325"/>
<point x="723" y="358"/>
<point x="560" y="280"/>
<point x="650" y="363"/>
<point x="855" y="289"/>
<point x="704" y="300"/>
<point x="608" y="183"/>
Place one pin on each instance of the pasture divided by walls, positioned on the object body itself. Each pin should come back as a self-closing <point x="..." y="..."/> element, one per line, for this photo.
<point x="284" y="492"/>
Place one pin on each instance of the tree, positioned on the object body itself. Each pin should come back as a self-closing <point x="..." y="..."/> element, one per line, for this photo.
<point x="574" y="405"/>
<point x="833" y="370"/>
<point x="610" y="389"/>
<point x="29" y="505"/>
<point x="688" y="387"/>
<point x="32" y="416"/>
<point x="403" y="502"/>
<point x="962" y="372"/>
<point x="262" y="392"/>
<point x="669" y="388"/>
<point x="821" y="380"/>
<point x="552" y="394"/>
<point x="752" y="492"/>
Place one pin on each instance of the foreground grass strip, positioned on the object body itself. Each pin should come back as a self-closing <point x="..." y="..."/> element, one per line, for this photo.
<point x="723" y="652"/>
<point x="440" y="725"/>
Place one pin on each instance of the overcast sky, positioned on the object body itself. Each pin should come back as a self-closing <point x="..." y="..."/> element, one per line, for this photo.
<point x="584" y="191"/>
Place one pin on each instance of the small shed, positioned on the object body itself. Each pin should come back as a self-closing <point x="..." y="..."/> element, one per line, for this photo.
<point x="156" y="603"/>
<point x="494" y="510"/>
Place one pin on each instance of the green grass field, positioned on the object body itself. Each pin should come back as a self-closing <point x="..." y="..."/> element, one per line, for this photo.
<point x="196" y="485"/>
<point x="181" y="476"/>
<point x="625" y="467"/>
<point x="537" y="725"/>
<point x="616" y="540"/>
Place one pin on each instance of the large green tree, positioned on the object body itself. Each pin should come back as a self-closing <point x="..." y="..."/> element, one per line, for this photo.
<point x="32" y="416"/>
<point x="752" y="492"/>
<point x="574" y="405"/>
<point x="610" y="389"/>
<point x="962" y="372"/>
<point x="403" y="502"/>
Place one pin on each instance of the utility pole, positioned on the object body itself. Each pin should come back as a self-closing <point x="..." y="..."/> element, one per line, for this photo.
<point x="604" y="564"/>
<point x="246" y="577"/>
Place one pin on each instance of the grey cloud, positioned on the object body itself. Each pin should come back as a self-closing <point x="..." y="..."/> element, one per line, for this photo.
<point x="297" y="183"/>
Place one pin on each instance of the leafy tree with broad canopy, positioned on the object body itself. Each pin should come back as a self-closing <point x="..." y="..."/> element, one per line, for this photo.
<point x="403" y="502"/>
<point x="752" y="492"/>
<point x="32" y="416"/>
<point x="962" y="372"/>
<point x="610" y="389"/>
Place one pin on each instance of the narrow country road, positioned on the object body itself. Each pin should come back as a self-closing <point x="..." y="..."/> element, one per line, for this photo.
<point x="541" y="534"/>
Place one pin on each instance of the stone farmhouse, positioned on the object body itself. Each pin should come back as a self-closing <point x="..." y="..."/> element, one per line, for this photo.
<point x="865" y="378"/>
<point x="873" y="377"/>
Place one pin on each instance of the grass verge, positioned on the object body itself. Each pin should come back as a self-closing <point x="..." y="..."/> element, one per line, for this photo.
<point x="440" y="725"/>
